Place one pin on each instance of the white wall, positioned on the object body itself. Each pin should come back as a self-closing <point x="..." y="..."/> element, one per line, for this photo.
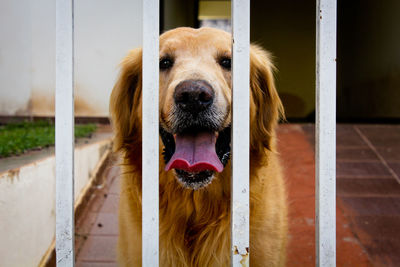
<point x="105" y="30"/>
<point x="27" y="204"/>
<point x="15" y="57"/>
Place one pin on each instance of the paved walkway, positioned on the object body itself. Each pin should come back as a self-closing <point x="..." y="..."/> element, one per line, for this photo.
<point x="368" y="187"/>
<point x="97" y="231"/>
<point x="368" y="202"/>
<point x="298" y="160"/>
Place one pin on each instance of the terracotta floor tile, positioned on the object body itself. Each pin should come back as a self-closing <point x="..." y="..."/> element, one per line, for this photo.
<point x="363" y="177"/>
<point x="110" y="204"/>
<point x="344" y="153"/>
<point x="83" y="228"/>
<point x="301" y="206"/>
<point x="361" y="169"/>
<point x="99" y="249"/>
<point x="380" y="237"/>
<point x="349" y="251"/>
<point x="106" y="224"/>
<point x="309" y="132"/>
<point x="98" y="200"/>
<point x="301" y="189"/>
<point x="86" y="223"/>
<point x="298" y="161"/>
<point x="395" y="167"/>
<point x="385" y="252"/>
<point x="95" y="264"/>
<point x="115" y="186"/>
<point x="347" y="136"/>
<point x="389" y="153"/>
<point x="382" y="135"/>
<point x="297" y="157"/>
<point x="383" y="187"/>
<point x="381" y="226"/>
<point x="373" y="206"/>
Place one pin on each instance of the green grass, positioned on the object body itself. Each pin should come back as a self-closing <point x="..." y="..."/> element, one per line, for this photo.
<point x="17" y="138"/>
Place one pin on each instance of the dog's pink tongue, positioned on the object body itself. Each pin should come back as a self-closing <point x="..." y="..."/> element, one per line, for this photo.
<point x="194" y="153"/>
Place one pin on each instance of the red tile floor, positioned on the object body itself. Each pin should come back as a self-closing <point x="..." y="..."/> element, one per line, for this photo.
<point x="368" y="200"/>
<point x="96" y="231"/>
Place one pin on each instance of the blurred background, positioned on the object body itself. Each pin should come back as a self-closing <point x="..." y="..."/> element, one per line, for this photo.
<point x="368" y="64"/>
<point x="368" y="113"/>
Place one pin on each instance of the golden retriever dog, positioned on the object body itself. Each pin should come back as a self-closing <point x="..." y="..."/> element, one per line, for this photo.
<point x="195" y="172"/>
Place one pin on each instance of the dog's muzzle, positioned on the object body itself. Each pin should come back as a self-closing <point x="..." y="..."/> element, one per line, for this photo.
<point x="197" y="147"/>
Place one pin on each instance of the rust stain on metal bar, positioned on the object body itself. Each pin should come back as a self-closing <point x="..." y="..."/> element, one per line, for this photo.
<point x="245" y="257"/>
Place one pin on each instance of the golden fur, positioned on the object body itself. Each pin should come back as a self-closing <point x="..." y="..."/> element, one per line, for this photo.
<point x="195" y="224"/>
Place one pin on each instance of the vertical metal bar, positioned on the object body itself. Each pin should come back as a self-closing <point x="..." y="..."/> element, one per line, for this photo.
<point x="240" y="132"/>
<point x="64" y="133"/>
<point x="150" y="134"/>
<point x="325" y="134"/>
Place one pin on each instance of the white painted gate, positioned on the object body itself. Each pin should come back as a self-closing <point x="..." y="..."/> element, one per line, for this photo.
<point x="325" y="133"/>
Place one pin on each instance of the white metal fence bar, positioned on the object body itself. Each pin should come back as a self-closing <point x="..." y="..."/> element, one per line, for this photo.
<point x="150" y="136"/>
<point x="325" y="168"/>
<point x="240" y="132"/>
<point x="64" y="133"/>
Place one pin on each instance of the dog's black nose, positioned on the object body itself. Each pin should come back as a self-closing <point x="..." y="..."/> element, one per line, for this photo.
<point x="193" y="95"/>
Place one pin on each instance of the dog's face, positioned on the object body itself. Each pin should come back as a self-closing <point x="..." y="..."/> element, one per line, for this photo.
<point x="195" y="103"/>
<point x="195" y="80"/>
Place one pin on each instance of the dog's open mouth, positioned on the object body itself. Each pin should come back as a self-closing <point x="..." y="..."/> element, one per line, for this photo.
<point x="196" y="155"/>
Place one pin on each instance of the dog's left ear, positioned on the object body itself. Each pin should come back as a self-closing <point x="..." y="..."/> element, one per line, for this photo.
<point x="266" y="106"/>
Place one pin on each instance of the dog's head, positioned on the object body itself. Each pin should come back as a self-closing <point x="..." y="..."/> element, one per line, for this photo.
<point x="195" y="103"/>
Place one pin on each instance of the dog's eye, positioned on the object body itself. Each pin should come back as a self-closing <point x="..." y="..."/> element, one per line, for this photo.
<point x="225" y="63"/>
<point x="166" y="63"/>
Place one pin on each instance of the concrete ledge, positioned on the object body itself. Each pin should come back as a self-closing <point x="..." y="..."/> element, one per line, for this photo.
<point x="27" y="203"/>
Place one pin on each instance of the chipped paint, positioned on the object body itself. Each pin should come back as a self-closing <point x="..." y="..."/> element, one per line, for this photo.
<point x="245" y="260"/>
<point x="245" y="257"/>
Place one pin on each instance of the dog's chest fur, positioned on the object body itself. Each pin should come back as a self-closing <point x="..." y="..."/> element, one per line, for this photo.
<point x="195" y="223"/>
<point x="192" y="223"/>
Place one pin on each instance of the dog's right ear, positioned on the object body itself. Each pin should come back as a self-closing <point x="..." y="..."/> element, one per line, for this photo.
<point x="126" y="104"/>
